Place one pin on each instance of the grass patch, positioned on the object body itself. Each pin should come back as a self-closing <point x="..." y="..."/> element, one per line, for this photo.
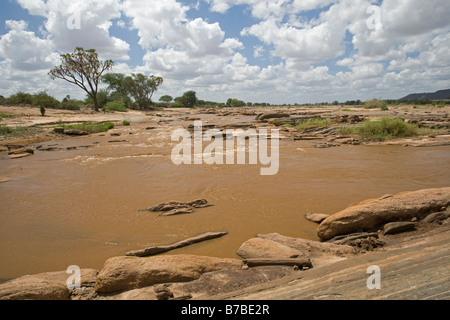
<point x="318" y="122"/>
<point x="18" y="132"/>
<point x="5" y="115"/>
<point x="126" y="122"/>
<point x="283" y="123"/>
<point x="348" y="130"/>
<point x="91" y="127"/>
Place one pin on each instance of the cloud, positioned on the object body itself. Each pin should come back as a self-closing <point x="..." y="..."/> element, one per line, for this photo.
<point x="23" y="50"/>
<point x="291" y="50"/>
<point x="82" y="23"/>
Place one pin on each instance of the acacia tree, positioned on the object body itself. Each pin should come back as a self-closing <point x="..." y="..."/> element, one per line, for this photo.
<point x="84" y="69"/>
<point x="142" y="88"/>
<point x="189" y="99"/>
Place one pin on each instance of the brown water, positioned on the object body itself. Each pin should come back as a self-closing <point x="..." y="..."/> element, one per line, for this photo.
<point x="80" y="207"/>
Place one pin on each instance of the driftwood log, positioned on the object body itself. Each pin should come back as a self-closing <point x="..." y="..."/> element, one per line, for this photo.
<point x="183" y="243"/>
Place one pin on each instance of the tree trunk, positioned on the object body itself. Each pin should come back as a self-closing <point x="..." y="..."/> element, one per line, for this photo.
<point x="95" y="103"/>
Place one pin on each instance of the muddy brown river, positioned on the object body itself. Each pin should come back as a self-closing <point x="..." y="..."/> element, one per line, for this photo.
<point x="81" y="206"/>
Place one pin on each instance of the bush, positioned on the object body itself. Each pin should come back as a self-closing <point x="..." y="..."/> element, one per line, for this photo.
<point x="42" y="99"/>
<point x="115" y="106"/>
<point x="375" y="103"/>
<point x="126" y="122"/>
<point x="42" y="109"/>
<point x="68" y="104"/>
<point x="177" y="104"/>
<point x="387" y="128"/>
<point x="20" y="98"/>
<point x="102" y="98"/>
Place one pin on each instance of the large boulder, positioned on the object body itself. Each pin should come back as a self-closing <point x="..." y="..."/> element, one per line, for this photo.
<point x="263" y="248"/>
<point x="33" y="288"/>
<point x="371" y="214"/>
<point x="276" y="246"/>
<point x="209" y="284"/>
<point x="43" y="286"/>
<point x="126" y="273"/>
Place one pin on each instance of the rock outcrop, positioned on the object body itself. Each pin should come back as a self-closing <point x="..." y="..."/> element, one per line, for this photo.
<point x="126" y="273"/>
<point x="43" y="286"/>
<point x="371" y="214"/>
<point x="276" y="246"/>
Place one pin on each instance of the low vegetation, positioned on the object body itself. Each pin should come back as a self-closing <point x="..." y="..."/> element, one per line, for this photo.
<point x="318" y="122"/>
<point x="375" y="103"/>
<point x="383" y="129"/>
<point x="118" y="106"/>
<point x="91" y="127"/>
<point x="19" y="131"/>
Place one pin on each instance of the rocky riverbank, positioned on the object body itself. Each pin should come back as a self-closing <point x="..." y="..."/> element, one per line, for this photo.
<point x="284" y="118"/>
<point x="372" y="225"/>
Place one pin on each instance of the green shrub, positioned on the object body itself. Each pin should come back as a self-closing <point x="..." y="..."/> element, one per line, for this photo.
<point x="70" y="105"/>
<point x="42" y="99"/>
<point x="20" y="98"/>
<point x="126" y="123"/>
<point x="387" y="128"/>
<point x="375" y="103"/>
<point x="177" y="104"/>
<point x="115" y="106"/>
<point x="42" y="109"/>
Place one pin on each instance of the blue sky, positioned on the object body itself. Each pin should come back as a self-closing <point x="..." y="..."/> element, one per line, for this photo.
<point x="278" y="51"/>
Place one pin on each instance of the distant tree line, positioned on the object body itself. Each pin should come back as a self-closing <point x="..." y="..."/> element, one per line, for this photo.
<point x="42" y="99"/>
<point x="84" y="69"/>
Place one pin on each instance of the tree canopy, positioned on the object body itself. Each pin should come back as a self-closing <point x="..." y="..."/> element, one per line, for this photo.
<point x="84" y="69"/>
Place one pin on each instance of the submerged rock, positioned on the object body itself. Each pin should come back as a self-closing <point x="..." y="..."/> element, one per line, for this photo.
<point x="172" y="208"/>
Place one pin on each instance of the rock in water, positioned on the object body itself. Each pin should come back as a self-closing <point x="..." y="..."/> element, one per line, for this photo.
<point x="369" y="215"/>
<point x="316" y="217"/>
<point x="172" y="208"/>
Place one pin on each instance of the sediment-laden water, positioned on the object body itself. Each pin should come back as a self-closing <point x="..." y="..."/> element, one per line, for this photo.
<point x="79" y="204"/>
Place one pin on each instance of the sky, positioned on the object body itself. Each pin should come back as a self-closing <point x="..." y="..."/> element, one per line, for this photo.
<point x="278" y="51"/>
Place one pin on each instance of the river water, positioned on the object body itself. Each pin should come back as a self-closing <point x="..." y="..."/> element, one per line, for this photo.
<point x="81" y="206"/>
